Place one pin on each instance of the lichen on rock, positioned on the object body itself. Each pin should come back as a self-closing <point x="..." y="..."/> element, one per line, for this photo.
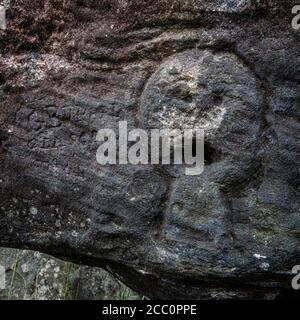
<point x="71" y="68"/>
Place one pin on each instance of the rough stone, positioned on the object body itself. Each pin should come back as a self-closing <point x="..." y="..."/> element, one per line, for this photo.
<point x="71" y="68"/>
<point x="35" y="276"/>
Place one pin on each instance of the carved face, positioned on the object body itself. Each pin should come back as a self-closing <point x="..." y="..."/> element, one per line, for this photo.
<point x="154" y="223"/>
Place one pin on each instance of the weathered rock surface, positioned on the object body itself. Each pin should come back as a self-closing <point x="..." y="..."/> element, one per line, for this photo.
<point x="35" y="276"/>
<point x="70" y="68"/>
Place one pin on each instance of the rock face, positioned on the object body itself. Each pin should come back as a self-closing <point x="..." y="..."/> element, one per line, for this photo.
<point x="70" y="68"/>
<point x="35" y="276"/>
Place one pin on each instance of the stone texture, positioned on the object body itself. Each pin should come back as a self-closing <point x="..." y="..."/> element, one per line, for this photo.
<point x="35" y="276"/>
<point x="70" y="68"/>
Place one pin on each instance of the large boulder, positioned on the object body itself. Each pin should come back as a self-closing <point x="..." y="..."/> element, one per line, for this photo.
<point x="35" y="276"/>
<point x="70" y="68"/>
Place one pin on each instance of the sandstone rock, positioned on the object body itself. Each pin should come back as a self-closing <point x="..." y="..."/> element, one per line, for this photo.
<point x="35" y="276"/>
<point x="71" y="68"/>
